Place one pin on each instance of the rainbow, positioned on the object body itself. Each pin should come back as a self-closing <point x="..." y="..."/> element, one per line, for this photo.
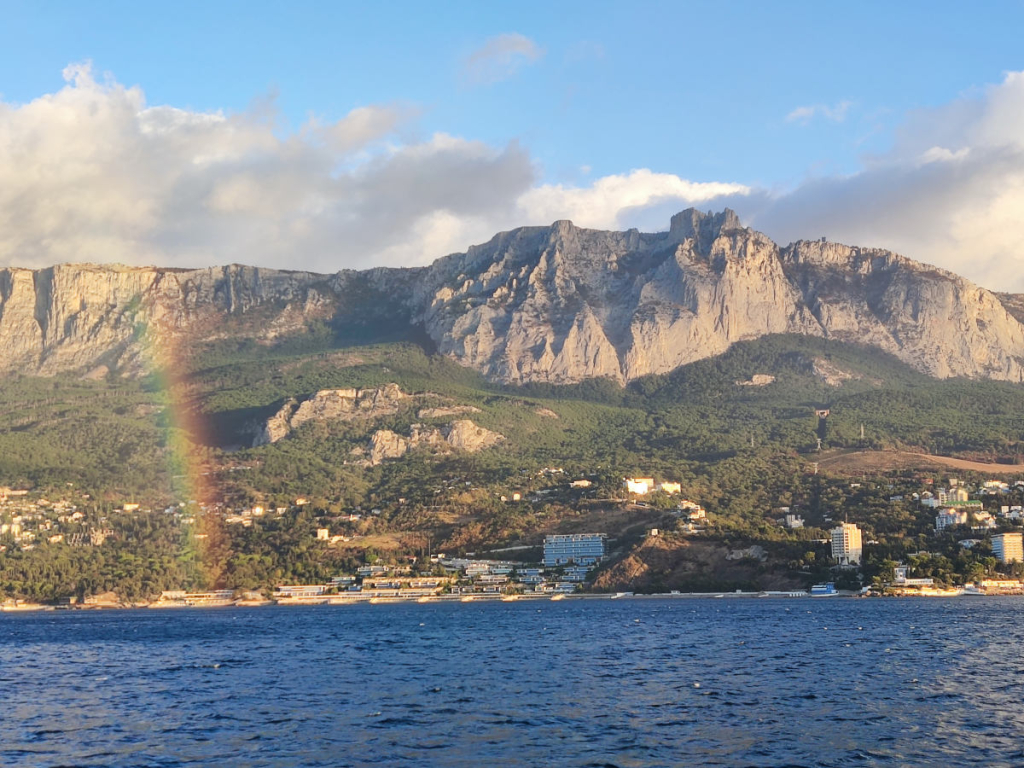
<point x="186" y="433"/>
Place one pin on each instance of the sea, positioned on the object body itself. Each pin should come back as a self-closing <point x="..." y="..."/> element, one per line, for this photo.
<point x="629" y="682"/>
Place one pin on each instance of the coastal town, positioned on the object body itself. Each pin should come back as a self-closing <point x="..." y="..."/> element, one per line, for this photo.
<point x="985" y="516"/>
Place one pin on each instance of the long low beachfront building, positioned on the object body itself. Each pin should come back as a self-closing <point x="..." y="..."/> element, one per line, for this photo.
<point x="208" y="598"/>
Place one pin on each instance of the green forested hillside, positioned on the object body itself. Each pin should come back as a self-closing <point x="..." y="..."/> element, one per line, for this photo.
<point x="116" y="437"/>
<point x="741" y="450"/>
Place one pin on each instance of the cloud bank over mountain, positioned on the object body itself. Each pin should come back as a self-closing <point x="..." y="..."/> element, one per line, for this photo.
<point x="93" y="173"/>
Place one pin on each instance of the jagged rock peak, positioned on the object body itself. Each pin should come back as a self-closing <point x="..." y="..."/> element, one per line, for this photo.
<point x="702" y="226"/>
<point x="561" y="304"/>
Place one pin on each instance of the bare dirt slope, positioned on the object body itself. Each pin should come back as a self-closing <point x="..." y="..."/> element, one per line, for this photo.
<point x="881" y="461"/>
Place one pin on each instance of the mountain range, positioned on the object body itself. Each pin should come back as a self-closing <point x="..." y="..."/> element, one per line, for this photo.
<point x="556" y="304"/>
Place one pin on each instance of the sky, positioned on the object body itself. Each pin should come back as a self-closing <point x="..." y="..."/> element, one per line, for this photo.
<point x="336" y="135"/>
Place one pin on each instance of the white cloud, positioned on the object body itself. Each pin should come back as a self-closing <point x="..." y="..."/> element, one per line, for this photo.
<point x="92" y="173"/>
<point x="499" y="58"/>
<point x="623" y="200"/>
<point x="835" y="113"/>
<point x="950" y="192"/>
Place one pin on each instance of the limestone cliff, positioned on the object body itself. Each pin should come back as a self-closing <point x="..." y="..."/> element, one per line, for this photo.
<point x="538" y="304"/>
<point x="561" y="304"/>
<point x="936" y="321"/>
<point x="80" y="317"/>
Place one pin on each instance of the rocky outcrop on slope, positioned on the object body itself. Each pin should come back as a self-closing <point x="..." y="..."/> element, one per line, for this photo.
<point x="330" y="404"/>
<point x="464" y="435"/>
<point x="460" y="435"/>
<point x="831" y="373"/>
<point x="386" y="444"/>
<point x="444" y="412"/>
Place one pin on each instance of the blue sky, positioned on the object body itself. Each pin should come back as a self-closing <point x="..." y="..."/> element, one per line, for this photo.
<point x="776" y="97"/>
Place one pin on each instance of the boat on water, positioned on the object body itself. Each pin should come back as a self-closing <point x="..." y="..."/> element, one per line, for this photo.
<point x="559" y="596"/>
<point x="824" y="590"/>
<point x="509" y="598"/>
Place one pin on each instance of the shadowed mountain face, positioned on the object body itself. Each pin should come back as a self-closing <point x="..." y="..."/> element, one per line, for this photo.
<point x="553" y="304"/>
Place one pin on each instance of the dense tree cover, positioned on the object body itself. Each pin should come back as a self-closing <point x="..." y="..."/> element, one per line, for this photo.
<point x="146" y="554"/>
<point x="109" y="437"/>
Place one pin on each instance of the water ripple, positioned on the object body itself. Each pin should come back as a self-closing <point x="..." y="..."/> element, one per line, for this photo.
<point x="758" y="683"/>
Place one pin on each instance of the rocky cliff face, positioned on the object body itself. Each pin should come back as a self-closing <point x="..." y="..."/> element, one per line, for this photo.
<point x="83" y="317"/>
<point x="80" y="316"/>
<point x="556" y="304"/>
<point x="561" y="304"/>
<point x="936" y="321"/>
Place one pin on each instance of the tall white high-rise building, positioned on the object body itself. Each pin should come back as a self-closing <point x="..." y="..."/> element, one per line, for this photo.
<point x="1008" y="547"/>
<point x="846" y="545"/>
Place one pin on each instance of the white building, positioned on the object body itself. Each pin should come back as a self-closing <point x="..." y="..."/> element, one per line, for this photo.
<point x="1008" y="547"/>
<point x="641" y="486"/>
<point x="901" y="578"/>
<point x="947" y="518"/>
<point x="846" y="544"/>
<point x="670" y="488"/>
<point x="299" y="590"/>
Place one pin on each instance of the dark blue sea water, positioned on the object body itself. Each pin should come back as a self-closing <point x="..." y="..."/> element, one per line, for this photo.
<point x="773" y="682"/>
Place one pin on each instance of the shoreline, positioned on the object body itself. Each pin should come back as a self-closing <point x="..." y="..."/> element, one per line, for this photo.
<point x="343" y="600"/>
